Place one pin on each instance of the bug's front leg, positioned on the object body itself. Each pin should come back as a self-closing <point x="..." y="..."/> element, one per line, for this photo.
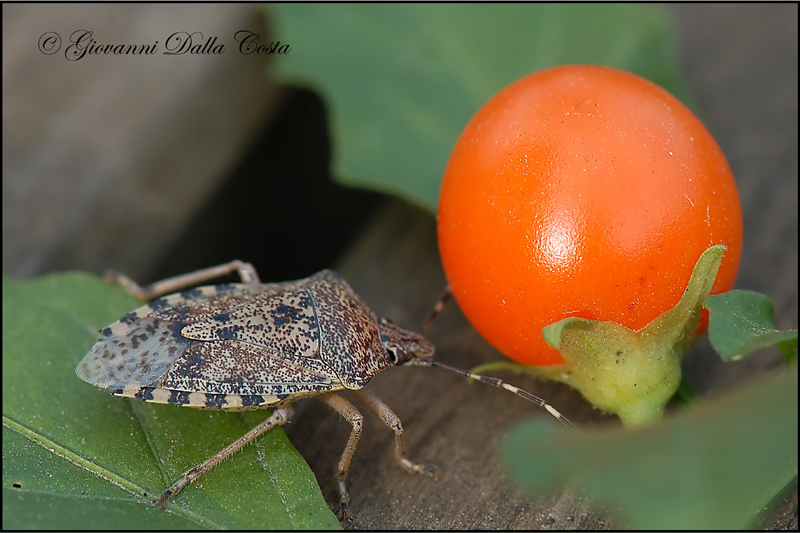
<point x="356" y="420"/>
<point x="279" y="417"/>
<point x="247" y="273"/>
<point x="393" y="422"/>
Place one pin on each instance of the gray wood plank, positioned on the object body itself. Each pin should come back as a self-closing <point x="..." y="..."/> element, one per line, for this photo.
<point x="106" y="158"/>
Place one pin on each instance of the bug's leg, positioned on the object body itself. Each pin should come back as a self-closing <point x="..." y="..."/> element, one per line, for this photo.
<point x="448" y="293"/>
<point x="279" y="417"/>
<point x="356" y="419"/>
<point x="393" y="422"/>
<point x="247" y="273"/>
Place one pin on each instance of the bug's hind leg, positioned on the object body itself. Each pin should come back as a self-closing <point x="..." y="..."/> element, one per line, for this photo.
<point x="356" y="420"/>
<point x="393" y="422"/>
<point x="279" y="417"/>
<point x="247" y="273"/>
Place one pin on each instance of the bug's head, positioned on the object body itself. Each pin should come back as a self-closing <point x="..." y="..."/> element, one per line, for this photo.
<point x="403" y="344"/>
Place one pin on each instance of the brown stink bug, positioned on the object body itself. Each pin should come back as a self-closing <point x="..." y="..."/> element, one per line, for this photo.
<point x="260" y="345"/>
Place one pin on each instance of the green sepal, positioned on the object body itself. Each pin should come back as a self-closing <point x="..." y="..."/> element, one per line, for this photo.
<point x="632" y="374"/>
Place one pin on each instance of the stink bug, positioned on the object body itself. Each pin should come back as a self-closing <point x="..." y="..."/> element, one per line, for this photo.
<point x="260" y="345"/>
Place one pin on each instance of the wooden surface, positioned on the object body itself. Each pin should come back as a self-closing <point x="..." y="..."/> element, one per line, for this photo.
<point x="107" y="158"/>
<point x="154" y="167"/>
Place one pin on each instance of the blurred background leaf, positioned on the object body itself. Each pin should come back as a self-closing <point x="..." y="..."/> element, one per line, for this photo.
<point x="91" y="460"/>
<point x="402" y="80"/>
<point x="742" y="322"/>
<point x="712" y="467"/>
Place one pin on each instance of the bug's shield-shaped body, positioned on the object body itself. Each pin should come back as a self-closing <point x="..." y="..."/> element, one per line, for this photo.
<point x="242" y="346"/>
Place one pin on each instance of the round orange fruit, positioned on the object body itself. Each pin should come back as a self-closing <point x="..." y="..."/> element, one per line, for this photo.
<point x="581" y="191"/>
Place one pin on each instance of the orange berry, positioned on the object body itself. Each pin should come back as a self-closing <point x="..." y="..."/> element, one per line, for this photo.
<point x="581" y="191"/>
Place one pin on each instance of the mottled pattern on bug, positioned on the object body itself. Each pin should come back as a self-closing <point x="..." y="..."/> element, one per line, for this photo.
<point x="251" y="346"/>
<point x="237" y="346"/>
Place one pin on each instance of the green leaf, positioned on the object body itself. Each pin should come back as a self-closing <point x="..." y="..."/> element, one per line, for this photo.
<point x="75" y="457"/>
<point x="741" y="322"/>
<point x="712" y="467"/>
<point x="402" y="80"/>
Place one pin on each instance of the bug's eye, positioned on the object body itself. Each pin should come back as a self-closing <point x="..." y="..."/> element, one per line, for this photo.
<point x="398" y="356"/>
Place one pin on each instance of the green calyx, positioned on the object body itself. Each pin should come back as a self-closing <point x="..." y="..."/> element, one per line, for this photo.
<point x="632" y="374"/>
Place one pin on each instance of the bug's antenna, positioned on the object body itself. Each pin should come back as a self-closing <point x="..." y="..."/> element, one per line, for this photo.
<point x="437" y="309"/>
<point x="497" y="383"/>
<point x="448" y="293"/>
